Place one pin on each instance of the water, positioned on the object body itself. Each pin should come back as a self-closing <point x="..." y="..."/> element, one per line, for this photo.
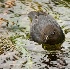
<point x="16" y="50"/>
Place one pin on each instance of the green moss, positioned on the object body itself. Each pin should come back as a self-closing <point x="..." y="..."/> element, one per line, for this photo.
<point x="63" y="26"/>
<point x="66" y="31"/>
<point x="12" y="38"/>
<point x="17" y="15"/>
<point x="51" y="47"/>
<point x="62" y="2"/>
<point x="27" y="35"/>
<point x="67" y="1"/>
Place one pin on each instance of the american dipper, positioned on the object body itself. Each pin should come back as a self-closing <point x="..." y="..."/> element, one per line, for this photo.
<point x="45" y="30"/>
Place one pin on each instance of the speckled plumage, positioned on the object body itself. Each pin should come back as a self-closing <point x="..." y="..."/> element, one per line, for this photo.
<point x="45" y="30"/>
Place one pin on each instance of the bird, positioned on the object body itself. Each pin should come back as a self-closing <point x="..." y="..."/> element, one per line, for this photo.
<point x="45" y="30"/>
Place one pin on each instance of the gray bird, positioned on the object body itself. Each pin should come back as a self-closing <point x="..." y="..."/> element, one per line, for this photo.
<point x="45" y="30"/>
